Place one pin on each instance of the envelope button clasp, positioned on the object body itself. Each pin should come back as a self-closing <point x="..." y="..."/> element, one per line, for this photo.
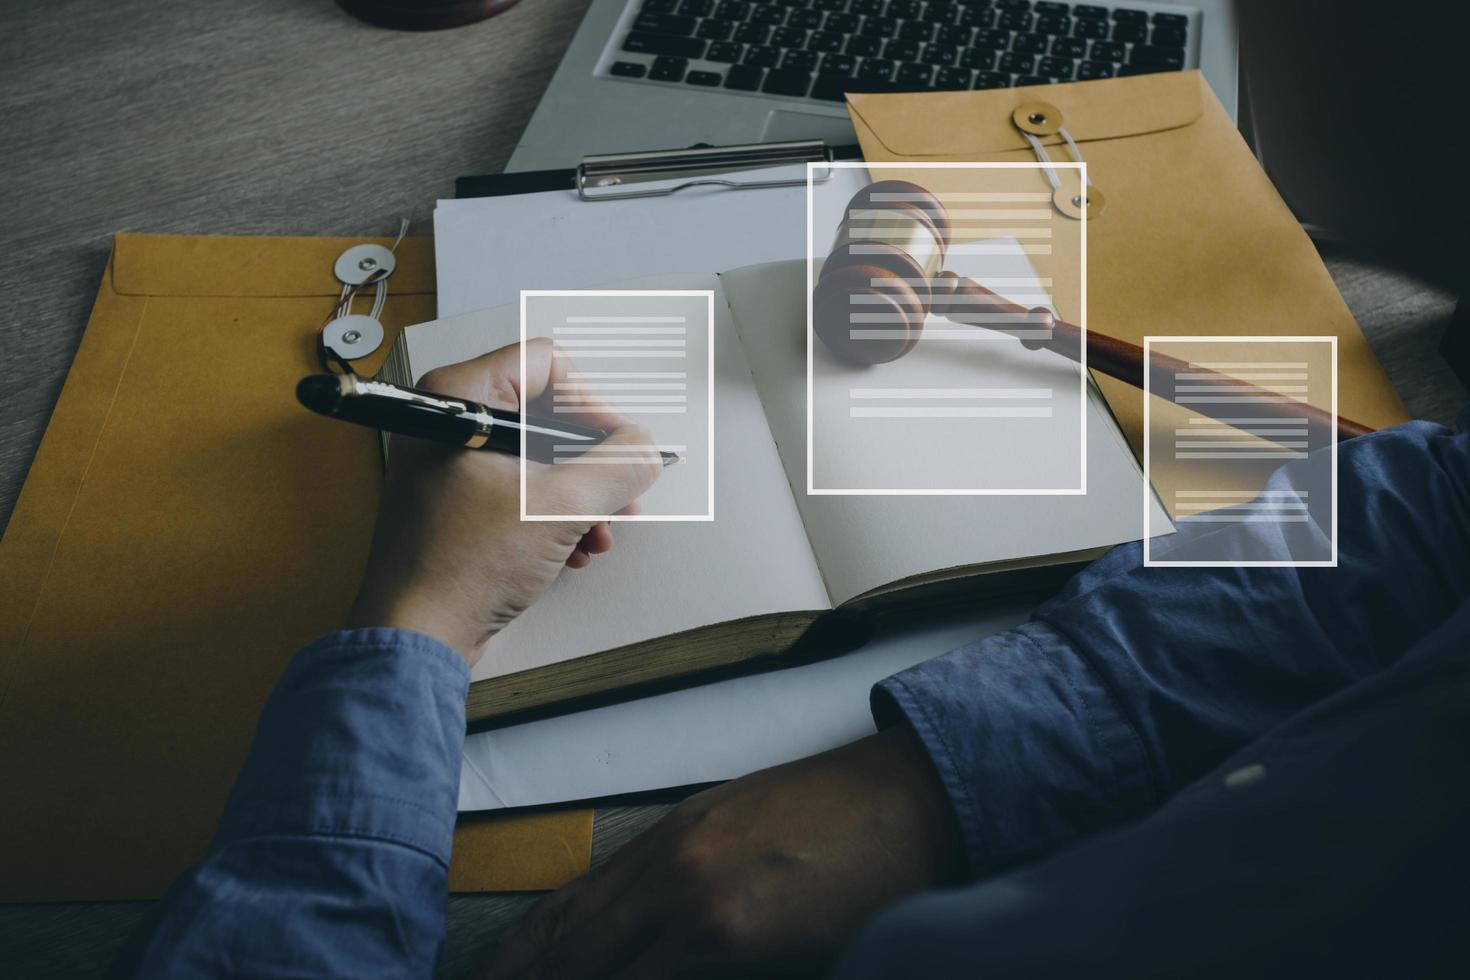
<point x="1037" y="118"/>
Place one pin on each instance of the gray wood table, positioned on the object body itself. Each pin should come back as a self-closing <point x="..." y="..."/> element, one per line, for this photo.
<point x="288" y="117"/>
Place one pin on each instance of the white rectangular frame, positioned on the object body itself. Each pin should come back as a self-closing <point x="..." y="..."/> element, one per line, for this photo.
<point x="1148" y="561"/>
<point x="709" y="299"/>
<point x="1082" y="376"/>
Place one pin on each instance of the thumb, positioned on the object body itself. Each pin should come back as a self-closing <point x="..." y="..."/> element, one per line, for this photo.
<point x="609" y="477"/>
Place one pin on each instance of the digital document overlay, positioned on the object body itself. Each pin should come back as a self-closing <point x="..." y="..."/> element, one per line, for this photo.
<point x="645" y="355"/>
<point x="1240" y="443"/>
<point x="946" y="331"/>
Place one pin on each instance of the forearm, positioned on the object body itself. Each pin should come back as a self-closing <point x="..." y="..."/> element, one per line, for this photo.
<point x="1134" y="681"/>
<point x="332" y="853"/>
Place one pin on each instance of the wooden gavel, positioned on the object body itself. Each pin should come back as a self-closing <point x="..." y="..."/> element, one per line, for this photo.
<point x="887" y="261"/>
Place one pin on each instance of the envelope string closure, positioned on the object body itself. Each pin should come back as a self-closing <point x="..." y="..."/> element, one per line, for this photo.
<point x="347" y="335"/>
<point x="1038" y="119"/>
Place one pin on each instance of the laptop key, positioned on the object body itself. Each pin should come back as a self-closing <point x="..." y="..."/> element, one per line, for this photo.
<point x="899" y="50"/>
<point x="978" y="58"/>
<point x="914" y="76"/>
<point x="916" y="30"/>
<point x="1170" y="59"/>
<point x="697" y="8"/>
<point x="875" y="69"/>
<point x="752" y="34"/>
<point x="944" y="56"/>
<point x="1107" y="51"/>
<point x="992" y="40"/>
<point x="1124" y="16"/>
<point x="1125" y="33"/>
<point x="659" y="6"/>
<point x="1055" y="68"/>
<point x="744" y="78"/>
<point x="1095" y="29"/>
<point x="1054" y="24"/>
<point x="1032" y="80"/>
<point x="1171" y="20"/>
<point x="732" y="10"/>
<point x="771" y="16"/>
<point x="716" y="30"/>
<point x="1090" y="11"/>
<point x="842" y="23"/>
<point x="865" y="46"/>
<point x="882" y="27"/>
<point x="761" y="56"/>
<point x="992" y="79"/>
<point x="725" y="52"/>
<point x="829" y="5"/>
<point x="1088" y="70"/>
<point x="628" y="69"/>
<point x="902" y="8"/>
<point x="667" y="68"/>
<point x="1013" y="62"/>
<point x="1043" y="7"/>
<point x="1168" y="37"/>
<point x="866" y="7"/>
<point x="941" y="12"/>
<point x="956" y="35"/>
<point x="709" y="79"/>
<point x="1030" y="43"/>
<point x="799" y="61"/>
<point x="952" y="79"/>
<point x="1069" y="47"/>
<point x="788" y="37"/>
<point x="665" y="44"/>
<point x="839" y="64"/>
<point x="831" y="86"/>
<point x="787" y="81"/>
<point x="665" y="24"/>
<point x="1014" y="20"/>
<point x="824" y="41"/>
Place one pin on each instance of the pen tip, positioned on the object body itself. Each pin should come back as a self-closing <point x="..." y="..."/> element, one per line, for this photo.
<point x="319" y="392"/>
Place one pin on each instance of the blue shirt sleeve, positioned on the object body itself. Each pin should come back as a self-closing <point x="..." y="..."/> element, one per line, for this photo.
<point x="332" y="855"/>
<point x="1134" y="681"/>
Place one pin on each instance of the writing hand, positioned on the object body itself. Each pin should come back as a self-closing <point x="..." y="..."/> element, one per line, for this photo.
<point x="450" y="555"/>
<point x="775" y="870"/>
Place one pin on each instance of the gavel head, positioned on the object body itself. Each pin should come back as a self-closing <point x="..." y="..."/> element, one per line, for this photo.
<point x="874" y="290"/>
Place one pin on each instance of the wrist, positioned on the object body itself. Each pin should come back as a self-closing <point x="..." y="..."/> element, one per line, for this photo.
<point x="420" y="615"/>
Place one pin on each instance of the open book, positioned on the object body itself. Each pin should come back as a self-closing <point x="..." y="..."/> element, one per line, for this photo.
<point x="674" y="599"/>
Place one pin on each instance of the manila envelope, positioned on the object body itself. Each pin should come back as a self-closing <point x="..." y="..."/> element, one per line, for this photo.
<point x="184" y="528"/>
<point x="1193" y="240"/>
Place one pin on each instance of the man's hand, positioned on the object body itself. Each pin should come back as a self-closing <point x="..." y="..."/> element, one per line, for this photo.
<point x="451" y="556"/>
<point x="775" y="870"/>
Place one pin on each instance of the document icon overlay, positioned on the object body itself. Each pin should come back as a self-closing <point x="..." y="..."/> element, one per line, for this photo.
<point x="646" y="355"/>
<point x="1251" y="467"/>
<point x="932" y="358"/>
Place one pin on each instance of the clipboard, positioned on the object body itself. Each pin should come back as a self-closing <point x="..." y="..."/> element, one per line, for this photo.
<point x="617" y="176"/>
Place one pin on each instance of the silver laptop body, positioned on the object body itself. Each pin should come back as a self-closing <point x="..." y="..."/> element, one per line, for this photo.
<point x="588" y="110"/>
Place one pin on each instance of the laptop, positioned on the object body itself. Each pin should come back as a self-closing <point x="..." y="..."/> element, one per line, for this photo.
<point x="663" y="74"/>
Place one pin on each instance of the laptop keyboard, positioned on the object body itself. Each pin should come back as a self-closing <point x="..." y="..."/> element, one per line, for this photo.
<point x="819" y="49"/>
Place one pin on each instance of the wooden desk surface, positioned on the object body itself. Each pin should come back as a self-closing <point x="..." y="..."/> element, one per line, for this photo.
<point x="289" y="117"/>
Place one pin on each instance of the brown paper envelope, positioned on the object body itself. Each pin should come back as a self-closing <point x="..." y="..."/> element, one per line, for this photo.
<point x="1194" y="240"/>
<point x="184" y="528"/>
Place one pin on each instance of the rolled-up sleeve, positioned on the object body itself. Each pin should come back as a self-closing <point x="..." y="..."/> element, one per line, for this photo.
<point x="332" y="854"/>
<point x="1134" y="681"/>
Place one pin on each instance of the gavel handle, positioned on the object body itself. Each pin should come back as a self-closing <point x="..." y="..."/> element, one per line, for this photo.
<point x="1124" y="361"/>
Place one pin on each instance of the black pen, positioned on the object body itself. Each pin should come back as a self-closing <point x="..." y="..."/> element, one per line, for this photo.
<point x="444" y="418"/>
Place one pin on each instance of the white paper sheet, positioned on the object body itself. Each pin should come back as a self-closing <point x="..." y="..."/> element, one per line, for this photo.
<point x="718" y="731"/>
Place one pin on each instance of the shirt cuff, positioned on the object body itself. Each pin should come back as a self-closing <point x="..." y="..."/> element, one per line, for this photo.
<point x="1028" y="743"/>
<point x="362" y="737"/>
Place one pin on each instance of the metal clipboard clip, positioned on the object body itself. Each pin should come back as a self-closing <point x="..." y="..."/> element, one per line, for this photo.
<point x="605" y="176"/>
